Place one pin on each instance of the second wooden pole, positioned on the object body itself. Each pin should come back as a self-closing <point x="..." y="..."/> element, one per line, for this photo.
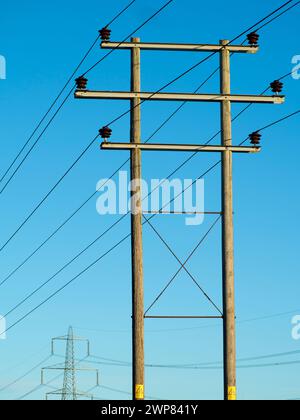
<point x="137" y="234"/>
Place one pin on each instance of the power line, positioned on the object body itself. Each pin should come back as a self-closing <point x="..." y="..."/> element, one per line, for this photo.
<point x="262" y="20"/>
<point x="35" y="143"/>
<point x="71" y="281"/>
<point x="77" y="276"/>
<point x="244" y="359"/>
<point x="242" y="321"/>
<point x="59" y="95"/>
<point x="192" y="68"/>
<point x="278" y="16"/>
<point x="90" y="197"/>
<point x="43" y="119"/>
<point x="216" y="71"/>
<point x="218" y="162"/>
<point x="93" y="242"/>
<point x="48" y="383"/>
<point x="24" y="375"/>
<point x="257" y="366"/>
<point x="117" y="222"/>
<point x="147" y="221"/>
<point x="273" y="124"/>
<point x="205" y="365"/>
<point x="66" y="98"/>
<point x="286" y="75"/>
<point x="105" y="254"/>
<point x="63" y="268"/>
<point x="173" y="81"/>
<point x="253" y="366"/>
<point x="234" y="119"/>
<point x="125" y="162"/>
<point x="131" y="34"/>
<point x="13" y="367"/>
<point x="279" y="121"/>
<point x="120" y="13"/>
<point x="49" y="193"/>
<point x="120" y="362"/>
<point x="30" y="392"/>
<point x="86" y="269"/>
<point x="80" y="156"/>
<point x="208" y="365"/>
<point x="119" y="391"/>
<point x="55" y="232"/>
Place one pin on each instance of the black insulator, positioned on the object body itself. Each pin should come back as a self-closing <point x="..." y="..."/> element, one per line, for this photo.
<point x="105" y="34"/>
<point x="255" y="138"/>
<point x="276" y="86"/>
<point x="105" y="132"/>
<point x="81" y="83"/>
<point x="253" y="38"/>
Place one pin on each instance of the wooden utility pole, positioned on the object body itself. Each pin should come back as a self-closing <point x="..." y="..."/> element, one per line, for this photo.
<point x="226" y="149"/>
<point x="138" y="374"/>
<point x="227" y="233"/>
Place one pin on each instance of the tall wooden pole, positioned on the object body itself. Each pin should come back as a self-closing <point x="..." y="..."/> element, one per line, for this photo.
<point x="227" y="235"/>
<point x="136" y="226"/>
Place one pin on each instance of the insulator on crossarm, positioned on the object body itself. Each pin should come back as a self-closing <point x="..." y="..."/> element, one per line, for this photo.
<point x="255" y="138"/>
<point x="105" y="133"/>
<point x="105" y="34"/>
<point x="276" y="86"/>
<point x="81" y="83"/>
<point x="253" y="39"/>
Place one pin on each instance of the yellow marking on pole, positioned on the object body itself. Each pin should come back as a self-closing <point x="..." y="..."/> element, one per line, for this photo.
<point x="232" y="393"/>
<point x="139" y="392"/>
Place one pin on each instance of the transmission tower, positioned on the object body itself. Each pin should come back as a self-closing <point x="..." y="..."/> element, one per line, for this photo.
<point x="69" y="367"/>
<point x="69" y="388"/>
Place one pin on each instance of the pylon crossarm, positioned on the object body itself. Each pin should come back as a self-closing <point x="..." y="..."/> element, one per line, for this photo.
<point x="178" y="147"/>
<point x="57" y="392"/>
<point x="78" y="393"/>
<point x="57" y="366"/>
<point x="65" y="337"/>
<point x="178" y="47"/>
<point x="81" y="369"/>
<point x="180" y="97"/>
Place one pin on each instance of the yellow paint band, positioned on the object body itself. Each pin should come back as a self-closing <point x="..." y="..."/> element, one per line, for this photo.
<point x="139" y="392"/>
<point x="232" y="393"/>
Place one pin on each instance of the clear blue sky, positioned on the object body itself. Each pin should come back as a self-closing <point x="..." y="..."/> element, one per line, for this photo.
<point x="42" y="42"/>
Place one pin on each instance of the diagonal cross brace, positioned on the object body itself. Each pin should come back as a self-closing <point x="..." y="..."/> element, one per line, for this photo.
<point x="183" y="264"/>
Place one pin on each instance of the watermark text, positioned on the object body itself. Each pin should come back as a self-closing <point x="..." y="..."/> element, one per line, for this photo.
<point x="296" y="327"/>
<point x="2" y="68"/>
<point x="296" y="68"/>
<point x="157" y="196"/>
<point x="2" y="328"/>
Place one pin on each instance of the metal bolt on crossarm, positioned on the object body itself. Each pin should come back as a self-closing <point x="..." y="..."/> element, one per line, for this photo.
<point x="276" y="86"/>
<point x="81" y="83"/>
<point x="255" y="138"/>
<point x="105" y="34"/>
<point x="253" y="38"/>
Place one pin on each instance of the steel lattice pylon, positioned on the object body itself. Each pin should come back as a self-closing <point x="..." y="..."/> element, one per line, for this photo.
<point x="69" y="387"/>
<point x="69" y="368"/>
